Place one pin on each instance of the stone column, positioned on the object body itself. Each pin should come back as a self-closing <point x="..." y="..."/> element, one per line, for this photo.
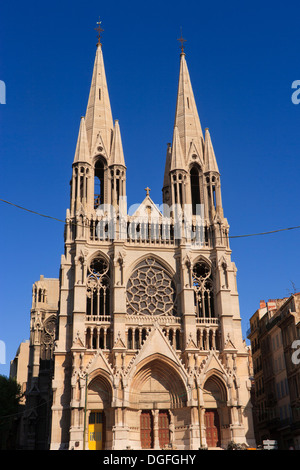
<point x="155" y="429"/>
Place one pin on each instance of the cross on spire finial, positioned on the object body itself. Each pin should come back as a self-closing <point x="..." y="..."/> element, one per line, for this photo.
<point x="147" y="191"/>
<point x="99" y="30"/>
<point x="182" y="40"/>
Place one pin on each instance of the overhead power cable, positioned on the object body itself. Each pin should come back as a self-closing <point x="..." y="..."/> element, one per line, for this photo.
<point x="74" y="223"/>
<point x="265" y="233"/>
<point x="33" y="212"/>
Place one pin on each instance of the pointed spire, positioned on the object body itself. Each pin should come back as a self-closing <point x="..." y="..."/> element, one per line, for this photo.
<point x="186" y="117"/>
<point x="98" y="113"/>
<point x="177" y="159"/>
<point x="117" y="155"/>
<point x="82" y="150"/>
<point x="209" y="154"/>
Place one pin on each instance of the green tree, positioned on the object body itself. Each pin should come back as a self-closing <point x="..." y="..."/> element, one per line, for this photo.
<point x="10" y="392"/>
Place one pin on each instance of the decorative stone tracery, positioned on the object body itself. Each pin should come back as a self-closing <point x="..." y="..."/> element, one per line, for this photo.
<point x="204" y="290"/>
<point x="47" y="338"/>
<point x="98" y="287"/>
<point x="151" y="290"/>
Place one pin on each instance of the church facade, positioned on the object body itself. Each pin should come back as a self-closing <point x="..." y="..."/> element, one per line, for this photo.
<point x="138" y="344"/>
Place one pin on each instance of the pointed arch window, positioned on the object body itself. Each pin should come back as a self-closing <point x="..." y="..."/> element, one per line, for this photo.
<point x="195" y="187"/>
<point x="48" y="336"/>
<point x="178" y="188"/>
<point x="203" y="290"/>
<point x="99" y="183"/>
<point x="212" y="190"/>
<point x="224" y="275"/>
<point x="98" y="288"/>
<point x="116" y="185"/>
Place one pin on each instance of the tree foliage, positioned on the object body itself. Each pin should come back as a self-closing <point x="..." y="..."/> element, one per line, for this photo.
<point x="10" y="392"/>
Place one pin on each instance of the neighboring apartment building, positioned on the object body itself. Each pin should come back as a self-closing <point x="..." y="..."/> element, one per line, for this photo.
<point x="290" y="328"/>
<point x="273" y="329"/>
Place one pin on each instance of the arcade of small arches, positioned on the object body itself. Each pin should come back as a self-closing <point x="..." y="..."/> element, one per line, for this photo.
<point x="197" y="180"/>
<point x="98" y="338"/>
<point x="102" y="175"/>
<point x="208" y="338"/>
<point x="39" y="294"/>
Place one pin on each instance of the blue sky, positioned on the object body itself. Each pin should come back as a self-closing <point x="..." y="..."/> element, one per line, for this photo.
<point x="242" y="58"/>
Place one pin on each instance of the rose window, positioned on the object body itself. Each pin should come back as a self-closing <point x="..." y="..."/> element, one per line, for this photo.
<point x="150" y="290"/>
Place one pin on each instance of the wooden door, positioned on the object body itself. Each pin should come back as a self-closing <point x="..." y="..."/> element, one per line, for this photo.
<point x="96" y="430"/>
<point x="163" y="428"/>
<point x="146" y="423"/>
<point x="212" y="424"/>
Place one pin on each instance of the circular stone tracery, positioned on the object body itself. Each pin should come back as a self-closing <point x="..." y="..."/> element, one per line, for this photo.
<point x="150" y="290"/>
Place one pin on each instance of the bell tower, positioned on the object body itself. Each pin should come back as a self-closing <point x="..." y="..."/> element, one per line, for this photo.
<point x="99" y="171"/>
<point x="88" y="306"/>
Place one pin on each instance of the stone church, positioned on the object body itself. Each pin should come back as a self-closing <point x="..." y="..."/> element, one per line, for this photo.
<point x="138" y="344"/>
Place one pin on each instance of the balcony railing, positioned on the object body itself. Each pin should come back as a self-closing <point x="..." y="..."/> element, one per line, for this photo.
<point x="163" y="232"/>
<point x="207" y="321"/>
<point x="98" y="318"/>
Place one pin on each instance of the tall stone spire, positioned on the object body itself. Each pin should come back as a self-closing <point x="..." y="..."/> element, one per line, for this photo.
<point x="186" y="117"/>
<point x="98" y="119"/>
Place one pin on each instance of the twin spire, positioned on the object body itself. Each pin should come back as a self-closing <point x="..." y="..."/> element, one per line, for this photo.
<point x="98" y="117"/>
<point x="186" y="117"/>
<point x="189" y="144"/>
<point x="98" y="132"/>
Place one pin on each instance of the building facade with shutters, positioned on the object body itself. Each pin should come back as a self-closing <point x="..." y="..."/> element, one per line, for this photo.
<point x="275" y="340"/>
<point x="141" y="345"/>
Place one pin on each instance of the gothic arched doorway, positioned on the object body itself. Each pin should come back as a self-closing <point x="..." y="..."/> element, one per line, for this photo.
<point x="99" y="414"/>
<point x="159" y="396"/>
<point x="216" y="410"/>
